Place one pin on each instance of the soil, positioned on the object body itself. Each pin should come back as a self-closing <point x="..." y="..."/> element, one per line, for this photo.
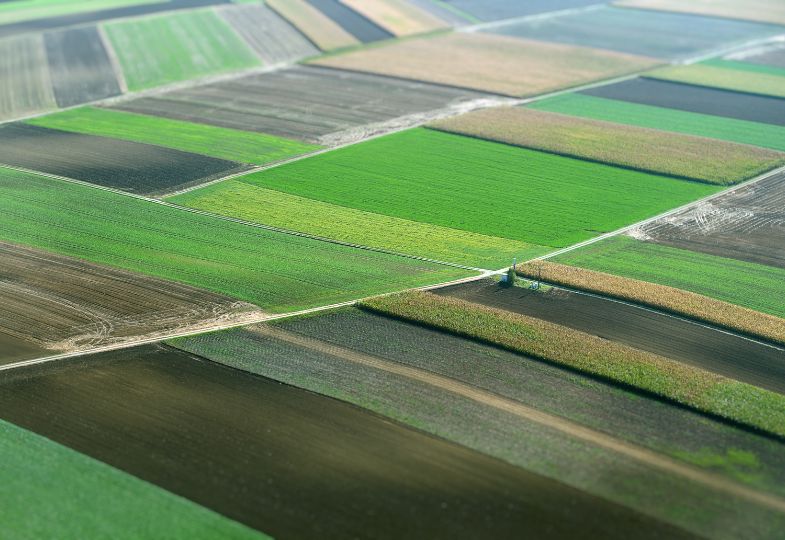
<point x="351" y="21"/>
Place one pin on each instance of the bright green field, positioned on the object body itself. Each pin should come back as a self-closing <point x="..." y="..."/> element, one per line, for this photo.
<point x="276" y="271"/>
<point x="177" y="47"/>
<point x="231" y="144"/>
<point x="751" y="285"/>
<point x="703" y="125"/>
<point x="726" y="77"/>
<point x="50" y="491"/>
<point x="244" y="200"/>
<point x="481" y="187"/>
<point x="27" y="10"/>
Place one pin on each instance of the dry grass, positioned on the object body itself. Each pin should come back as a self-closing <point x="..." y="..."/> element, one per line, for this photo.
<point x="669" y="299"/>
<point x="316" y="26"/>
<point x="692" y="387"/>
<point x="772" y="11"/>
<point x="650" y="150"/>
<point x="397" y="16"/>
<point x="492" y="63"/>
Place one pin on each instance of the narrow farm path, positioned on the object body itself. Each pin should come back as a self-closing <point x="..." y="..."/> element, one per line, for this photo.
<point x="563" y="425"/>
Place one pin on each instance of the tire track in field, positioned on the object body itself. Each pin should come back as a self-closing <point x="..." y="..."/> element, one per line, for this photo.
<point x="563" y="425"/>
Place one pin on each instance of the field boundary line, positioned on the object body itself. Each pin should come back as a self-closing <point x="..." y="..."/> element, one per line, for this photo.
<point x="117" y="69"/>
<point x="533" y="17"/>
<point x="558" y="423"/>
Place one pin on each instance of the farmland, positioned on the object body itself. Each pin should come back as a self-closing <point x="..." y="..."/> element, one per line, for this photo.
<point x="445" y="179"/>
<point x="674" y="120"/>
<point x="491" y="10"/>
<point x="338" y="478"/>
<point x="170" y="48"/>
<point x="771" y="11"/>
<point x="490" y="63"/>
<point x="19" y="10"/>
<point x="275" y="271"/>
<point x="772" y="55"/>
<point x="657" y="333"/>
<point x="130" y="166"/>
<point x="244" y="200"/>
<point x="647" y="150"/>
<point x="645" y="33"/>
<point x="320" y="29"/>
<point x="397" y="16"/>
<point x="362" y="28"/>
<point x="751" y="285"/>
<point x="721" y="76"/>
<point x="685" y="97"/>
<point x="25" y="85"/>
<point x="272" y="103"/>
<point x="222" y="143"/>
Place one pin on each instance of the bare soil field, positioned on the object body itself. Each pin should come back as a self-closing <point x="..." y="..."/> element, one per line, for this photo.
<point x="492" y="10"/>
<point x="126" y="165"/>
<point x="54" y="304"/>
<point x="748" y="224"/>
<point x="25" y="84"/>
<point x="274" y="39"/>
<point x="289" y="462"/>
<point x="660" y="334"/>
<point x="80" y="67"/>
<point x="399" y="17"/>
<point x="273" y="102"/>
<point x="490" y="63"/>
<point x="685" y="97"/>
<point x="320" y="29"/>
<point x="362" y="28"/>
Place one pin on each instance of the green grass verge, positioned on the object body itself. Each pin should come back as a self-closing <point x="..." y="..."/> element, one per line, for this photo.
<point x="704" y="125"/>
<point x="159" y="50"/>
<point x="28" y="10"/>
<point x="712" y="75"/>
<point x="243" y="200"/>
<point x="50" y="491"/>
<point x="692" y="387"/>
<point x="482" y="187"/>
<point x="231" y="144"/>
<point x="276" y="271"/>
<point x="746" y="284"/>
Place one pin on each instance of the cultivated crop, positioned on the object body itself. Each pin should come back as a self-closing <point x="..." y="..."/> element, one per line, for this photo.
<point x="25" y="85"/>
<point x="320" y="29"/>
<point x="19" y="10"/>
<point x="726" y="76"/>
<point x="648" y="150"/>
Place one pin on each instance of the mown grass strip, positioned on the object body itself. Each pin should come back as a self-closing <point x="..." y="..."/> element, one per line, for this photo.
<point x="231" y="144"/>
<point x="702" y="125"/>
<point x="648" y="150"/>
<point x="689" y="386"/>
<point x="766" y="84"/>
<point x="661" y="297"/>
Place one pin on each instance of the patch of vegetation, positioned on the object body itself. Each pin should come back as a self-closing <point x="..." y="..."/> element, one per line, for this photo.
<point x="740" y="464"/>
<point x="753" y="82"/>
<point x="28" y="10"/>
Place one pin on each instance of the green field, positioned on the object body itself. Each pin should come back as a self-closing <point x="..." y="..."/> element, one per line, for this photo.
<point x="745" y="66"/>
<point x="727" y="77"/>
<point x="276" y="271"/>
<point x="231" y="144"/>
<point x="177" y="47"/>
<point x="244" y="200"/>
<point x="50" y="491"/>
<point x="27" y="10"/>
<point x="704" y="125"/>
<point x="746" y="284"/>
<point x="481" y="187"/>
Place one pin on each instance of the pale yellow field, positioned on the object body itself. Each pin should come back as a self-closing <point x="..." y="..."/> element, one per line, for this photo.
<point x="314" y="24"/>
<point x="771" y="11"/>
<point x="397" y="16"/>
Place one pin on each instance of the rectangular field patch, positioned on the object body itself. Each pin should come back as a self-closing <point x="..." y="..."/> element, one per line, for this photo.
<point x="769" y="11"/>
<point x="25" y="84"/>
<point x="727" y="76"/>
<point x="399" y="17"/>
<point x="362" y="28"/>
<point x="494" y="10"/>
<point x="320" y="29"/>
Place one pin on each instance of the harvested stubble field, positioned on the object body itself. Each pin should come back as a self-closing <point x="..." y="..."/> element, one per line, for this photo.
<point x="228" y="144"/>
<point x="493" y="10"/>
<point x="320" y="29"/>
<point x="84" y="498"/>
<point x="658" y="333"/>
<point x="244" y="200"/>
<point x="25" y="84"/>
<point x="490" y="63"/>
<point x="273" y="270"/>
<point x="645" y="33"/>
<point x="770" y="11"/>
<point x="648" y="150"/>
<point x="398" y="17"/>
<point x="289" y="462"/>
<point x="170" y="48"/>
<point x="130" y="166"/>
<point x="701" y="125"/>
<point x="418" y="376"/>
<point x="754" y="286"/>
<point x="362" y="28"/>
<point x="748" y="225"/>
<point x="54" y="304"/>
<point x="465" y="183"/>
<point x="686" y="385"/>
<point x="695" y="99"/>
<point x="727" y="77"/>
<point x="273" y="102"/>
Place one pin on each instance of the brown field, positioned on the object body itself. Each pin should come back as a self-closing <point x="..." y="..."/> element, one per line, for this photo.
<point x="650" y="150"/>
<point x="53" y="304"/>
<point x="669" y="299"/>
<point x="771" y="11"/>
<point x="499" y="64"/>
<point x="397" y="16"/>
<point x="316" y="26"/>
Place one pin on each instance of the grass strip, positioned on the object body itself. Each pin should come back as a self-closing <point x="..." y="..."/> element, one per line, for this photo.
<point x="231" y="144"/>
<point x="648" y="150"/>
<point x="689" y="386"/>
<point x="767" y="84"/>
<point x="669" y="299"/>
